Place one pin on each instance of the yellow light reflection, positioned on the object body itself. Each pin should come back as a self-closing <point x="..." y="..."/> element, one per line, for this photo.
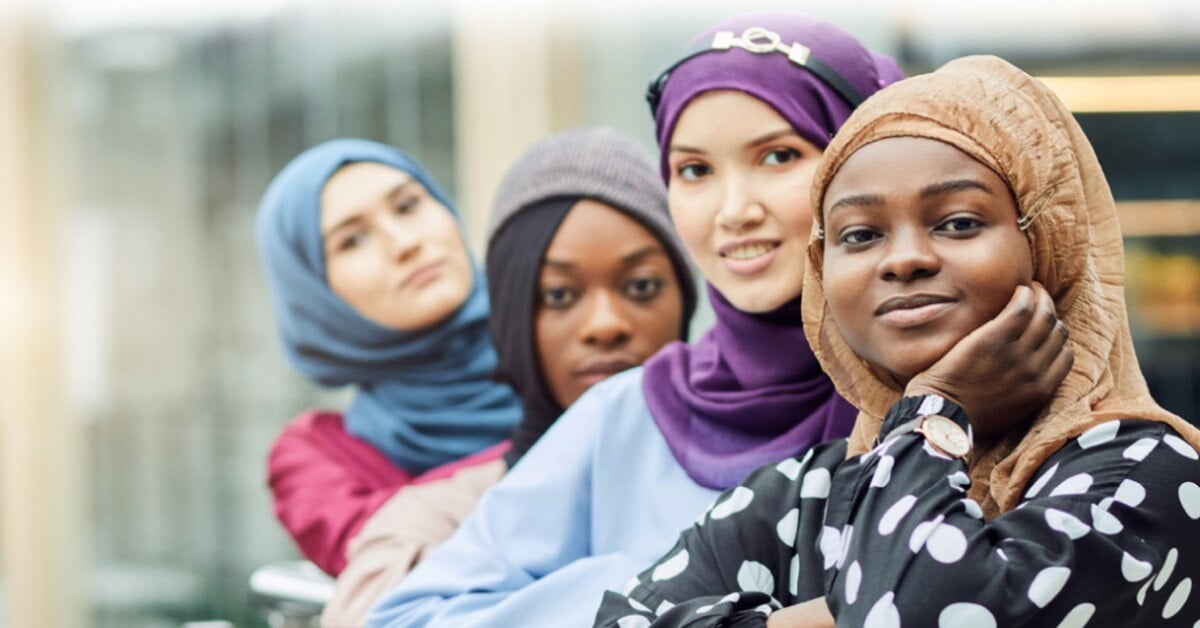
<point x="1110" y="94"/>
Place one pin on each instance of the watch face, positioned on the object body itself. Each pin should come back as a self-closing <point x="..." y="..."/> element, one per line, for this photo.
<point x="946" y="435"/>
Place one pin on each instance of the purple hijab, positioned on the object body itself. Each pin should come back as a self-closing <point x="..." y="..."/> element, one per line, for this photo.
<point x="734" y="400"/>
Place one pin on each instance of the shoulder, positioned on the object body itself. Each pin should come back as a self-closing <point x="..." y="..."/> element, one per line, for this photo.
<point x="1126" y="441"/>
<point x="786" y="484"/>
<point x="611" y="402"/>
<point x="810" y="472"/>
<point x="311" y="427"/>
<point x="573" y="439"/>
<point x="1108" y="455"/>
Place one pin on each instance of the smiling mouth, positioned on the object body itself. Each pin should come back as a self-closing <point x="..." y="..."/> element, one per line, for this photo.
<point x="748" y="250"/>
<point x="749" y="258"/>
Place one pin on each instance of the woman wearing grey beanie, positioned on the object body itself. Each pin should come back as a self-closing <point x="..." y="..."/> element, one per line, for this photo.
<point x="586" y="279"/>
<point x="582" y="267"/>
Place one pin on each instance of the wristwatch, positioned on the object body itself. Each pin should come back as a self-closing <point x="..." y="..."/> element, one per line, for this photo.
<point x="943" y="424"/>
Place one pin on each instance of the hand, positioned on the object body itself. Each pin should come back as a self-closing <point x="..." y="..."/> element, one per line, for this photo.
<point x="811" y="614"/>
<point x="1003" y="373"/>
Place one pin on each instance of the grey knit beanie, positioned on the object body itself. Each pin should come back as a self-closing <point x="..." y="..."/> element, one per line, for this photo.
<point x="596" y="163"/>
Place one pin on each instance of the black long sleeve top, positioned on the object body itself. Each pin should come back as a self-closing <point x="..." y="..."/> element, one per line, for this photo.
<point x="1108" y="534"/>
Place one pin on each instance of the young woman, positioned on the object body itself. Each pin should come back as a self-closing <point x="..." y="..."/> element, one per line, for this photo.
<point x="373" y="287"/>
<point x="944" y="198"/>
<point x="741" y="126"/>
<point x="586" y="278"/>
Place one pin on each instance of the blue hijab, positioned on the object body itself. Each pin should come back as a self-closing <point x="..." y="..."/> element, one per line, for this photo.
<point x="424" y="397"/>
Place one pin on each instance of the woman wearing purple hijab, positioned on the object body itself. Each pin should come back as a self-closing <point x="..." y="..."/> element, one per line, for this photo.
<point x="742" y="121"/>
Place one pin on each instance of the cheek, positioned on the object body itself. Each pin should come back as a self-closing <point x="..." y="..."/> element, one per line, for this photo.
<point x="663" y="319"/>
<point x="997" y="272"/>
<point x="457" y="258"/>
<point x="352" y="276"/>
<point x="791" y="204"/>
<point x="848" y="300"/>
<point x="552" y="330"/>
<point x="693" y="218"/>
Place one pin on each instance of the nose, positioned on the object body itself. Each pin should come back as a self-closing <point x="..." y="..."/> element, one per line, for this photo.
<point x="605" y="323"/>
<point x="402" y="242"/>
<point x="909" y="255"/>
<point x="739" y="211"/>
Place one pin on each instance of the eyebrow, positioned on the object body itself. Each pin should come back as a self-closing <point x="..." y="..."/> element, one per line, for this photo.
<point x="929" y="191"/>
<point x="628" y="260"/>
<point x="762" y="139"/>
<point x="957" y="185"/>
<point x="773" y="135"/>
<point x="389" y="195"/>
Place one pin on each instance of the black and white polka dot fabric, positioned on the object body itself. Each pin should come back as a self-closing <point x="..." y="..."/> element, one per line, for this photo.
<point x="1108" y="534"/>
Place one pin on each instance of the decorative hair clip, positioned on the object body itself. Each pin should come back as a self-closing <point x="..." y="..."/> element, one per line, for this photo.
<point x="758" y="40"/>
<point x="1039" y="206"/>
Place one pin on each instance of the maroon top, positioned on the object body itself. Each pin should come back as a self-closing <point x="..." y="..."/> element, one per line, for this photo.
<point x="325" y="484"/>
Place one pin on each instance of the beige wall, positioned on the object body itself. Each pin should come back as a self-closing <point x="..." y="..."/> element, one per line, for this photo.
<point x="515" y="80"/>
<point x="40" y="509"/>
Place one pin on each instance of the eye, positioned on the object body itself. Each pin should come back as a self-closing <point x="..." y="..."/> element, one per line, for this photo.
<point x="350" y="241"/>
<point x="692" y="171"/>
<point x="558" y="298"/>
<point x="643" y="288"/>
<point x="408" y="204"/>
<point x="961" y="225"/>
<point x="859" y="236"/>
<point x="780" y="156"/>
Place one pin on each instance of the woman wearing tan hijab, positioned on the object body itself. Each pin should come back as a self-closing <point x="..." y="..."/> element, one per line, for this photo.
<point x="941" y="199"/>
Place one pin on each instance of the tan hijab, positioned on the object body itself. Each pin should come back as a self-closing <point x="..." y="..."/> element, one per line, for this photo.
<point x="1012" y="123"/>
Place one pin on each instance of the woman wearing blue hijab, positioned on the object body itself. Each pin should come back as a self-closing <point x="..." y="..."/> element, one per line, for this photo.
<point x="372" y="286"/>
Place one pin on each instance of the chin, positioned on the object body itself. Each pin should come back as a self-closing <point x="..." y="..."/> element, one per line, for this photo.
<point x="758" y="297"/>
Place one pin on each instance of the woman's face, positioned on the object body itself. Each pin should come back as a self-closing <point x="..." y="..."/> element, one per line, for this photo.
<point x="739" y="196"/>
<point x="921" y="248"/>
<point x="392" y="251"/>
<point x="608" y="298"/>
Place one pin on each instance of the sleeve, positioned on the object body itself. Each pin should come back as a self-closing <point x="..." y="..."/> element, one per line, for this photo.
<point x="743" y="558"/>
<point x="324" y="487"/>
<point x="409" y="525"/>
<point x="903" y="545"/>
<point x="523" y="556"/>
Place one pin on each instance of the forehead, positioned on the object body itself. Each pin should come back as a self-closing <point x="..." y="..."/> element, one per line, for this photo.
<point x="902" y="166"/>
<point x="596" y="232"/>
<point x="725" y="114"/>
<point x="357" y="186"/>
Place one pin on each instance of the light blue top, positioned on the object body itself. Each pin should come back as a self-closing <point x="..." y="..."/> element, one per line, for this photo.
<point x="598" y="499"/>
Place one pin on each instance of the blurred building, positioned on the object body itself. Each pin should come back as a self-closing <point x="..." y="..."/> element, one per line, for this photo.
<point x="141" y="382"/>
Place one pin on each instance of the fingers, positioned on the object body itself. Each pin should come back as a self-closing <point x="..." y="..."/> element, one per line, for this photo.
<point x="1062" y="365"/>
<point x="1023" y="324"/>
<point x="1013" y="321"/>
<point x="1042" y="323"/>
<point x="1045" y="339"/>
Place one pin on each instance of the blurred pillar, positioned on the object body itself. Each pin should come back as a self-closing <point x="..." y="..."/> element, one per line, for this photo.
<point x="517" y="77"/>
<point x="40" y="466"/>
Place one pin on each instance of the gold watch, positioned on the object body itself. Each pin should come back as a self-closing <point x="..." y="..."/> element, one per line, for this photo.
<point x="944" y="435"/>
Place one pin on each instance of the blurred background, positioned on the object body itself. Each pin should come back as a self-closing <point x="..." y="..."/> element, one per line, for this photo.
<point x="141" y="381"/>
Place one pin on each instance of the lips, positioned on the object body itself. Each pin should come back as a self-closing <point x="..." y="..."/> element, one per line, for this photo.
<point x="422" y="275"/>
<point x="913" y="310"/>
<point x="597" y="369"/>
